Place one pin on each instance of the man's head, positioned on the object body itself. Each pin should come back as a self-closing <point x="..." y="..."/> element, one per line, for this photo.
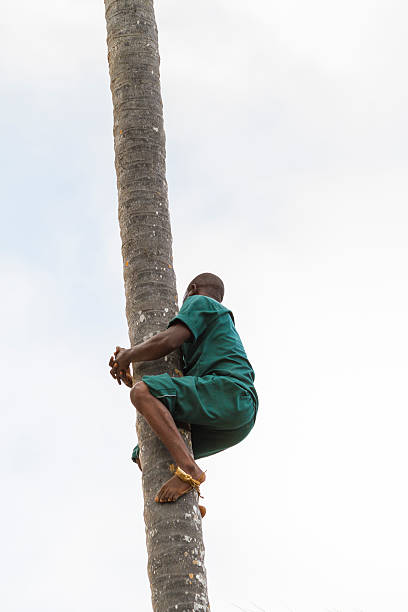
<point x="206" y="284"/>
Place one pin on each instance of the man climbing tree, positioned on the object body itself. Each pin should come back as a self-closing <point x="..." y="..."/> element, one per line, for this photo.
<point x="216" y="395"/>
<point x="174" y="539"/>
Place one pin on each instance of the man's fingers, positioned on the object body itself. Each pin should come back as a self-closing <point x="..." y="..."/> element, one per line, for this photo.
<point x="128" y="381"/>
<point x="126" y="378"/>
<point x="114" y="371"/>
<point x="119" y="375"/>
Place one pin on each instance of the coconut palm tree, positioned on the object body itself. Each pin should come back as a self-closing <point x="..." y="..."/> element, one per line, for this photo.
<point x="173" y="531"/>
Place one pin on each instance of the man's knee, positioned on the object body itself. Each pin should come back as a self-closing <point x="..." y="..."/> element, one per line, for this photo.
<point x="138" y="393"/>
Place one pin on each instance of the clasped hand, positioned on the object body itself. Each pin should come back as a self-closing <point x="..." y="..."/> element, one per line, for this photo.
<point x="120" y="366"/>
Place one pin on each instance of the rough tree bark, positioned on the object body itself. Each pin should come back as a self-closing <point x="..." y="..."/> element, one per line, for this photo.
<point x="173" y="531"/>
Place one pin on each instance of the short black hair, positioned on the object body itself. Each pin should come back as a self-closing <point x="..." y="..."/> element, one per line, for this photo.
<point x="212" y="284"/>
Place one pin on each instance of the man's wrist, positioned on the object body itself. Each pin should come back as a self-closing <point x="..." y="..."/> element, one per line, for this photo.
<point x="131" y="354"/>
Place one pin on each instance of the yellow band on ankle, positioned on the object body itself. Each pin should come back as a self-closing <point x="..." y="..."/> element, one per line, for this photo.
<point x="187" y="478"/>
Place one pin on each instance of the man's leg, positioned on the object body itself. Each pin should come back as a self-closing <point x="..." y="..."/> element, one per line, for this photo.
<point x="162" y="423"/>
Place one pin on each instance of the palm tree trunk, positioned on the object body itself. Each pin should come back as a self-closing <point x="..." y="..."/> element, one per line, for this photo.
<point x="173" y="531"/>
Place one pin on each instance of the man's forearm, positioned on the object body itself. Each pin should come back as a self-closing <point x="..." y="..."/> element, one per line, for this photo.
<point x="155" y="347"/>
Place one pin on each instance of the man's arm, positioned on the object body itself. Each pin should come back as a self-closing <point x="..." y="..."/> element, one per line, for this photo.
<point x="155" y="347"/>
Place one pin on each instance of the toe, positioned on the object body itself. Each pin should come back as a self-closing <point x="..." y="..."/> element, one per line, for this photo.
<point x="159" y="496"/>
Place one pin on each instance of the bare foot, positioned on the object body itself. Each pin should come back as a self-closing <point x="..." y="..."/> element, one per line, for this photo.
<point x="175" y="488"/>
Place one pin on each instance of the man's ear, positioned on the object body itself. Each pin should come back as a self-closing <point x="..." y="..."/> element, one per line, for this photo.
<point x="193" y="289"/>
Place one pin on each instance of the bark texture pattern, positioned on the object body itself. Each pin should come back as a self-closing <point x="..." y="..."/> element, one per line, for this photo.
<point x="173" y="531"/>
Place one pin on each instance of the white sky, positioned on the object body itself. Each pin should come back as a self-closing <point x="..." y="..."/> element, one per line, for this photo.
<point x="287" y="128"/>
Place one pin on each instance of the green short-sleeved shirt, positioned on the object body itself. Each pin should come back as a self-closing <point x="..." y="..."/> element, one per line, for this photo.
<point x="216" y="395"/>
<point x="216" y="347"/>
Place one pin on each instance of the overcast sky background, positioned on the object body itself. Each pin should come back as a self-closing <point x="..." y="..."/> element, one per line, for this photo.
<point x="287" y="137"/>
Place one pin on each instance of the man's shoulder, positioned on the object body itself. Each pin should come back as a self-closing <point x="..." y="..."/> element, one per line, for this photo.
<point x="201" y="314"/>
<point x="204" y="302"/>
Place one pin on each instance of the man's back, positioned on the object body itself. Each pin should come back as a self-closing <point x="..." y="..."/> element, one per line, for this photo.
<point x="216" y="347"/>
